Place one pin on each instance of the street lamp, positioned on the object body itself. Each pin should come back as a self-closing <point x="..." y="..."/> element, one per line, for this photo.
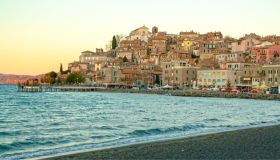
<point x="172" y="76"/>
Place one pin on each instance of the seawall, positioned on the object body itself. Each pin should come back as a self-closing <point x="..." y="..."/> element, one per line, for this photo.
<point x="186" y="93"/>
<point x="199" y="93"/>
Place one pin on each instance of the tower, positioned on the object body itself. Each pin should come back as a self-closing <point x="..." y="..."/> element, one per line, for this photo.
<point x="155" y="30"/>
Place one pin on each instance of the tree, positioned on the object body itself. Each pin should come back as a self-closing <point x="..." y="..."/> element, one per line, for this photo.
<point x="193" y="56"/>
<point x="125" y="59"/>
<point x="114" y="43"/>
<point x="113" y="54"/>
<point x="228" y="86"/>
<point x="59" y="81"/>
<point x="157" y="81"/>
<point x="49" y="78"/>
<point x="118" y="37"/>
<point x="75" y="78"/>
<point x="53" y="75"/>
<point x="61" y="68"/>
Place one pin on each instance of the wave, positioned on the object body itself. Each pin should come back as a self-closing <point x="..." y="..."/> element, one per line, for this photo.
<point x="4" y="148"/>
<point x="157" y="131"/>
<point x="4" y="133"/>
<point x="105" y="128"/>
<point x="211" y="120"/>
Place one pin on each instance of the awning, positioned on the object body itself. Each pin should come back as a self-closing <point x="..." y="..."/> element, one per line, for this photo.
<point x="264" y="87"/>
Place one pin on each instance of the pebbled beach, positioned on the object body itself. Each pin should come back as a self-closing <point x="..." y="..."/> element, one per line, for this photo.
<point x="253" y="143"/>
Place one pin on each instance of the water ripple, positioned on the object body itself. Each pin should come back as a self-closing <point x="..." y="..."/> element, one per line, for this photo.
<point x="37" y="124"/>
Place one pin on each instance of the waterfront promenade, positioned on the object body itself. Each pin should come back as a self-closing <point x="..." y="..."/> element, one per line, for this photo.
<point x="186" y="93"/>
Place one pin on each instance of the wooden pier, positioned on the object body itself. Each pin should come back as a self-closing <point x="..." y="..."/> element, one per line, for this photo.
<point x="42" y="88"/>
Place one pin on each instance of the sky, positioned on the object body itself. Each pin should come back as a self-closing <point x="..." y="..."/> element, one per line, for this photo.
<point x="37" y="35"/>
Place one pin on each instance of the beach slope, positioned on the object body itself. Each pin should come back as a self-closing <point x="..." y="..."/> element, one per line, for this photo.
<point x="254" y="143"/>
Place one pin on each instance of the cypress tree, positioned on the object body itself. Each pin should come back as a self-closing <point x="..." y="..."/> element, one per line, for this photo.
<point x="61" y="68"/>
<point x="114" y="43"/>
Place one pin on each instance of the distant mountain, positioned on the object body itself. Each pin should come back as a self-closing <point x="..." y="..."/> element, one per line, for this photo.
<point x="14" y="79"/>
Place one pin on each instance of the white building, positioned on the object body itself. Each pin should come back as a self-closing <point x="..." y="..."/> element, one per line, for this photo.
<point x="141" y="33"/>
<point x="237" y="66"/>
<point x="229" y="57"/>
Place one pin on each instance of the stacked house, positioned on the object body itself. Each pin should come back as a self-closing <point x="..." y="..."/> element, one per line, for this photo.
<point x="188" y="59"/>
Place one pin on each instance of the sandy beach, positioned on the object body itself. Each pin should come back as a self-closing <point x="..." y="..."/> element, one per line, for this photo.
<point x="253" y="143"/>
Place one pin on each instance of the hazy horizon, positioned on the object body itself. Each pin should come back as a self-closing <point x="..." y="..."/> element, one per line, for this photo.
<point x="36" y="36"/>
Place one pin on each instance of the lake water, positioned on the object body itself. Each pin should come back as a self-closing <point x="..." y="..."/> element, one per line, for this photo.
<point x="40" y="124"/>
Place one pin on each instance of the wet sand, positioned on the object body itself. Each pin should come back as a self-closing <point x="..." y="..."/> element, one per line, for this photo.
<point x="254" y="143"/>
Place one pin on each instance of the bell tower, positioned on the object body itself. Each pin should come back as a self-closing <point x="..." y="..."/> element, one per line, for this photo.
<point x="155" y="30"/>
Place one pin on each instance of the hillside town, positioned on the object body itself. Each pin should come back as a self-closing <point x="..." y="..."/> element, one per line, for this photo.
<point x="189" y="59"/>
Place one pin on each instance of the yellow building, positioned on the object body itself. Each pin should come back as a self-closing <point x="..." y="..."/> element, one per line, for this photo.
<point x="187" y="44"/>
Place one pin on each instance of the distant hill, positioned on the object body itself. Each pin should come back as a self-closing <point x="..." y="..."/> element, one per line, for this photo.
<point x="14" y="79"/>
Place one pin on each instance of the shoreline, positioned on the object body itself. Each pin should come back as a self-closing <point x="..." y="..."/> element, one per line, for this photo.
<point x="198" y="93"/>
<point x="182" y="93"/>
<point x="247" y="143"/>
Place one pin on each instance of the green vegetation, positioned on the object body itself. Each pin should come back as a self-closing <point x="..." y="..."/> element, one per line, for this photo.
<point x="125" y="59"/>
<point x="114" y="43"/>
<point x="75" y="78"/>
<point x="194" y="56"/>
<point x="61" y="69"/>
<point x="113" y="53"/>
<point x="157" y="81"/>
<point x="53" y="74"/>
<point x="50" y="77"/>
<point x="228" y="86"/>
